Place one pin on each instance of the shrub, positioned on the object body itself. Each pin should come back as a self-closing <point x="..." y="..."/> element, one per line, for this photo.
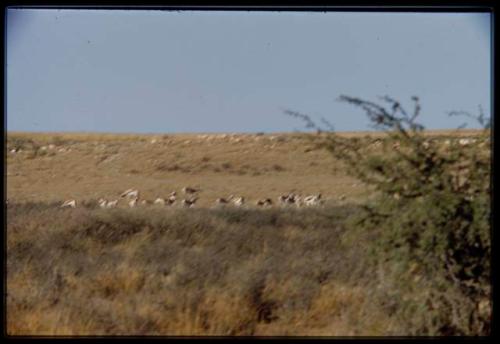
<point x="430" y="219"/>
<point x="59" y="141"/>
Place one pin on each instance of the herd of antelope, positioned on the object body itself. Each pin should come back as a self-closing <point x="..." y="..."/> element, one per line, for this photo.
<point x="133" y="199"/>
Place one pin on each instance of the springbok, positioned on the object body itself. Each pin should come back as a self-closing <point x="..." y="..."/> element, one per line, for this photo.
<point x="130" y="193"/>
<point x="69" y="203"/>
<point x="189" y="203"/>
<point x="112" y="204"/>
<point x="102" y="203"/>
<point x="159" y="201"/>
<point x="107" y="204"/>
<point x="282" y="199"/>
<point x="133" y="202"/>
<point x="289" y="199"/>
<point x="221" y="201"/>
<point x="171" y="198"/>
<point x="313" y="200"/>
<point x="238" y="201"/>
<point x="144" y="202"/>
<point x="264" y="202"/>
<point x="188" y="190"/>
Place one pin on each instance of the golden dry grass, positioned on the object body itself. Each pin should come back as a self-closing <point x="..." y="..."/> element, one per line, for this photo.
<point x="87" y="166"/>
<point x="224" y="272"/>
<point x="90" y="271"/>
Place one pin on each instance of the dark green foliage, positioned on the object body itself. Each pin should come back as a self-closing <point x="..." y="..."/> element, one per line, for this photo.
<point x="430" y="220"/>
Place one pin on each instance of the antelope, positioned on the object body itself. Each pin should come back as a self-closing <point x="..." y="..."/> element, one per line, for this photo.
<point x="130" y="193"/>
<point x="69" y="203"/>
<point x="159" y="201"/>
<point x="282" y="199"/>
<point x="145" y="202"/>
<point x="189" y="203"/>
<point x="312" y="200"/>
<point x="112" y="204"/>
<point x="189" y="190"/>
<point x="264" y="202"/>
<point x="289" y="199"/>
<point x="221" y="201"/>
<point x="102" y="203"/>
<point x="238" y="201"/>
<point x="171" y="199"/>
<point x="133" y="202"/>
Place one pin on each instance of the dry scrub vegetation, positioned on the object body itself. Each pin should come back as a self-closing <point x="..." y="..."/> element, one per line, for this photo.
<point x="89" y="271"/>
<point x="406" y="252"/>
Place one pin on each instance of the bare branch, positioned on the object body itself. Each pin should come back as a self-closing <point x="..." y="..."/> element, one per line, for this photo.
<point x="328" y="124"/>
<point x="309" y="122"/>
<point x="416" y="112"/>
<point x="481" y="119"/>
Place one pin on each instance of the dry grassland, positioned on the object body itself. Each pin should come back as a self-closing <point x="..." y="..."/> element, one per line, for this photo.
<point x="202" y="271"/>
<point x="89" y="166"/>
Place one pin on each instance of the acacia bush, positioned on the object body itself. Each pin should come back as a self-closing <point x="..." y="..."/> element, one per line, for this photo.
<point x="430" y="219"/>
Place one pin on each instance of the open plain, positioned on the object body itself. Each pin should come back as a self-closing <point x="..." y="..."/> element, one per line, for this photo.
<point x="162" y="270"/>
<point x="53" y="167"/>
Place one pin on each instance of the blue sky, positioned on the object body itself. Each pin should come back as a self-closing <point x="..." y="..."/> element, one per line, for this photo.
<point x="206" y="71"/>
